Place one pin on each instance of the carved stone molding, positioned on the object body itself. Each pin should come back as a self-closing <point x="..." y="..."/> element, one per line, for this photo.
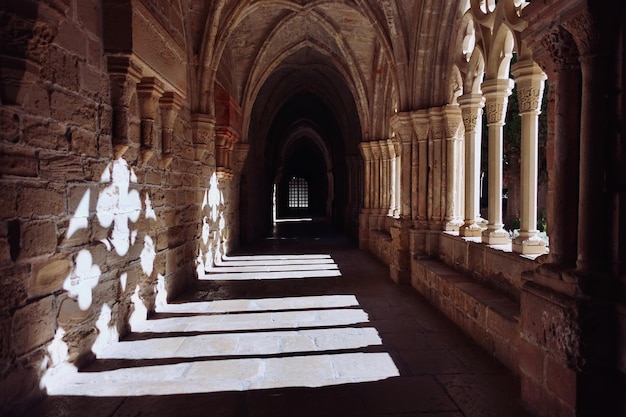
<point x="421" y="125"/>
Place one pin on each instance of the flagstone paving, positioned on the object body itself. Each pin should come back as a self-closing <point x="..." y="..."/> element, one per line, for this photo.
<point x="302" y="342"/>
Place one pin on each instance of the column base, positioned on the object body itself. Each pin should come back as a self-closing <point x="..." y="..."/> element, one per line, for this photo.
<point x="496" y="237"/>
<point x="471" y="230"/>
<point x="529" y="245"/>
<point x="453" y="225"/>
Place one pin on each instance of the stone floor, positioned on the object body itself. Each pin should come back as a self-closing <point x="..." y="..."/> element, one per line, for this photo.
<point x="302" y="324"/>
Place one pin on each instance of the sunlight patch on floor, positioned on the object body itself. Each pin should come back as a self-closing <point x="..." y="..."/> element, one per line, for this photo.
<point x="237" y="345"/>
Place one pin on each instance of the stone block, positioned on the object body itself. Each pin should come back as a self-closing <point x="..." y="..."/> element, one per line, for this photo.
<point x="34" y="325"/>
<point x="84" y="142"/>
<point x="36" y="99"/>
<point x="38" y="238"/>
<point x="61" y="68"/>
<point x="60" y="167"/>
<point x="94" y="168"/>
<point x="74" y="110"/>
<point x="44" y="133"/>
<point x="13" y="282"/>
<point x="70" y="314"/>
<point x="48" y="276"/>
<point x="36" y="200"/>
<point x="10" y="122"/>
<point x="496" y="323"/>
<point x="8" y="205"/>
<point x="561" y="381"/>
<point x="18" y="161"/>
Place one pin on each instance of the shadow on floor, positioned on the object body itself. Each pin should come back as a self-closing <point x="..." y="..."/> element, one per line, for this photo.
<point x="438" y="371"/>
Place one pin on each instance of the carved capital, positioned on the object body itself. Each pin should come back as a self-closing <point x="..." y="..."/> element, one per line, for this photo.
<point x="471" y="110"/>
<point x="437" y="128"/>
<point x="452" y="118"/>
<point x="561" y="48"/>
<point x="402" y="124"/>
<point x="530" y="81"/>
<point x="497" y="94"/>
<point x="421" y="126"/>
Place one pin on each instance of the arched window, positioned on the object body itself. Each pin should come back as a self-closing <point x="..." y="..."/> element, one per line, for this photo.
<point x="298" y="193"/>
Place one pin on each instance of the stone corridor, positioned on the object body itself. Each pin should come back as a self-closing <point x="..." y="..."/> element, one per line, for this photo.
<point x="301" y="324"/>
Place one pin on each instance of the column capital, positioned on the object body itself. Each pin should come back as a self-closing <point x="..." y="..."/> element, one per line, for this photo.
<point x="453" y="119"/>
<point x="383" y="145"/>
<point x="421" y="125"/>
<point x="366" y="150"/>
<point x="436" y="123"/>
<point x="497" y="94"/>
<point x="530" y="80"/>
<point x="471" y="109"/>
<point x="402" y="125"/>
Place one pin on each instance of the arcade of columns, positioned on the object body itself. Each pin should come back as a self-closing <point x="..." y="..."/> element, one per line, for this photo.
<point x="426" y="178"/>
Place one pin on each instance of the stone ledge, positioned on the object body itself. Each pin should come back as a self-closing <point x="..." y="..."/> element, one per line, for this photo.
<point x="489" y="317"/>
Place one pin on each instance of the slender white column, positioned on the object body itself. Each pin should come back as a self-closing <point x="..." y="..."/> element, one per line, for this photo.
<point x="472" y="111"/>
<point x="452" y="115"/>
<point x="530" y="82"/>
<point x="496" y="94"/>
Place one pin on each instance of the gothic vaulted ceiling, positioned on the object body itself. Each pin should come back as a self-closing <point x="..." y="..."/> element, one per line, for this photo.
<point x="369" y="57"/>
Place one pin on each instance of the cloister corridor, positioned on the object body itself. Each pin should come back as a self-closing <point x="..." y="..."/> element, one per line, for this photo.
<point x="300" y="324"/>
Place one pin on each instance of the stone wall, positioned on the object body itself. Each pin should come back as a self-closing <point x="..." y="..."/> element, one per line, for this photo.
<point x="107" y="208"/>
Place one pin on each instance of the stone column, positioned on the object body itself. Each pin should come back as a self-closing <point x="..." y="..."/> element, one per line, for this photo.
<point x="563" y="208"/>
<point x="472" y="111"/>
<point x="435" y="163"/>
<point x="169" y="104"/>
<point x="530" y="81"/>
<point x="595" y="64"/>
<point x="366" y="153"/>
<point x="393" y="178"/>
<point x="376" y="178"/>
<point x="385" y="177"/>
<point x="406" y="170"/>
<point x="366" y="211"/>
<point x="496" y="94"/>
<point x="421" y="124"/>
<point x="452" y="116"/>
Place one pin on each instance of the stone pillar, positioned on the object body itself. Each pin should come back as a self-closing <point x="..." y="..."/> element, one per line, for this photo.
<point x="366" y="211"/>
<point x="169" y="104"/>
<point x="421" y="124"/>
<point x="376" y="177"/>
<point x="394" y="174"/>
<point x="366" y="153"/>
<point x="124" y="74"/>
<point x="385" y="177"/>
<point x="593" y="228"/>
<point x="435" y="163"/>
<point x="452" y="116"/>
<point x="563" y="206"/>
<point x="496" y="94"/>
<point x="530" y="82"/>
<point x="472" y="111"/>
